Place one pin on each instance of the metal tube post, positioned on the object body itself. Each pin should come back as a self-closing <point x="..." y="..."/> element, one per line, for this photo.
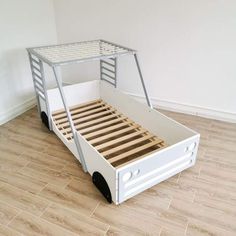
<point x="37" y="96"/>
<point x="45" y="93"/>
<point x="115" y="61"/>
<point x="142" y="81"/>
<point x="59" y="85"/>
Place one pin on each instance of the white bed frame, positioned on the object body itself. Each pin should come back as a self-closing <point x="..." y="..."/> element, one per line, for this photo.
<point x="116" y="182"/>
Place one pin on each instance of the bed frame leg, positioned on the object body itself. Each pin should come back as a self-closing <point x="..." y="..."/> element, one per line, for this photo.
<point x="102" y="186"/>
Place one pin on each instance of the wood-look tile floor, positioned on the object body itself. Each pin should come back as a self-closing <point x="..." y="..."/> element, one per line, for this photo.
<point x="43" y="190"/>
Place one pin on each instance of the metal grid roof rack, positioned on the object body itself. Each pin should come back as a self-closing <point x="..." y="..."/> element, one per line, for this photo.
<point x="79" y="52"/>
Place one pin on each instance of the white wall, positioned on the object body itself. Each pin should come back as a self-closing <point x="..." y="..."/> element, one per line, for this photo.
<point x="23" y="24"/>
<point x="187" y="48"/>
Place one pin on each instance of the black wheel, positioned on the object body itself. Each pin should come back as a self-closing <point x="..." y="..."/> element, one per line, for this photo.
<point x="44" y="119"/>
<point x="102" y="185"/>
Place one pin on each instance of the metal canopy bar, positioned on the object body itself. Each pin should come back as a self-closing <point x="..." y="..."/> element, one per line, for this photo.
<point x="79" y="52"/>
<point x="142" y="81"/>
<point x="114" y="84"/>
<point x="74" y="132"/>
<point x="109" y="76"/>
<point x="111" y="71"/>
<point x="108" y="71"/>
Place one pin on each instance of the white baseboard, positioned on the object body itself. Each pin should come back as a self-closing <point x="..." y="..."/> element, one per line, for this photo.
<point x="19" y="109"/>
<point x="162" y="104"/>
<point x="16" y="110"/>
<point x="189" y="109"/>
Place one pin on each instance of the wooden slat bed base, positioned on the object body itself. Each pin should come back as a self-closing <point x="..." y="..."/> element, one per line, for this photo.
<point x="80" y="107"/>
<point x="77" y="114"/>
<point x="119" y="139"/>
<point x="133" y="151"/>
<point x="124" y="138"/>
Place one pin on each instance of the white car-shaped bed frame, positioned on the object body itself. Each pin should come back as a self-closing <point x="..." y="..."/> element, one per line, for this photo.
<point x="126" y="146"/>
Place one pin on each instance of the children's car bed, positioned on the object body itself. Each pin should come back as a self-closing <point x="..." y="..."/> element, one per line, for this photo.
<point x="126" y="146"/>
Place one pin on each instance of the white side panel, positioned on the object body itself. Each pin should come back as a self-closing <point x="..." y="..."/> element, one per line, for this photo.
<point x="155" y="168"/>
<point x="96" y="162"/>
<point x="162" y="126"/>
<point x="70" y="144"/>
<point x="75" y="94"/>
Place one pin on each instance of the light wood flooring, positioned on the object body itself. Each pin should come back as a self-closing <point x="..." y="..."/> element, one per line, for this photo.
<point x="43" y="190"/>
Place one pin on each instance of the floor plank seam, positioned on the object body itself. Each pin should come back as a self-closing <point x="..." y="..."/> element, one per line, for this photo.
<point x="49" y="205"/>
<point x="199" y="172"/>
<point x="14" y="218"/>
<point x="22" y="168"/>
<point x="178" y="177"/>
<point x="44" y="220"/>
<point x="38" y="194"/>
<point x="185" y="231"/>
<point x="43" y="153"/>
<point x="63" y="206"/>
<point x="20" y="155"/>
<point x="12" y="206"/>
<point x="64" y="187"/>
<point x="168" y="207"/>
<point x="105" y="233"/>
<point x="159" y="232"/>
<point x="94" y="209"/>
<point x="194" y="195"/>
<point x="39" y="191"/>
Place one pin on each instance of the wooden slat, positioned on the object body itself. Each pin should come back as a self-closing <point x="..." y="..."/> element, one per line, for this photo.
<point x="126" y="145"/>
<point x="102" y="131"/>
<point x="102" y="138"/>
<point x="97" y="120"/>
<point x="141" y="156"/>
<point x="124" y="119"/>
<point x="134" y="151"/>
<point x="95" y="127"/>
<point x="104" y="124"/>
<point x="121" y="139"/>
<point x="87" y="118"/>
<point x="77" y="106"/>
<point x="92" y="122"/>
<point x="83" y="114"/>
<point x="79" y="110"/>
<point x="79" y="120"/>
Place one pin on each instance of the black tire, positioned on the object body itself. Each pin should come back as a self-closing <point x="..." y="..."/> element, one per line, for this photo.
<point x="44" y="119"/>
<point x="102" y="186"/>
